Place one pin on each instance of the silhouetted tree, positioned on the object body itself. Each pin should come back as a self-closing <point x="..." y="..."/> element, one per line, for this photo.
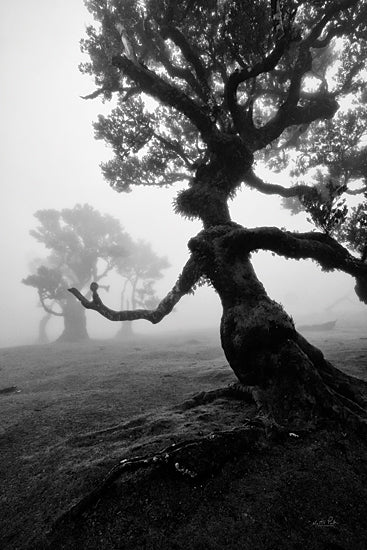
<point x="139" y="270"/>
<point x="42" y="337"/>
<point x="234" y="83"/>
<point x="85" y="246"/>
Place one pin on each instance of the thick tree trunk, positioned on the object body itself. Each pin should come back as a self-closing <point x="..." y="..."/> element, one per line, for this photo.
<point x="75" y="323"/>
<point x="288" y="377"/>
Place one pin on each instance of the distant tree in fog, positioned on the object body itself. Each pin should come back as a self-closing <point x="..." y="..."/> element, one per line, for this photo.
<point x="84" y="246"/>
<point x="42" y="337"/>
<point x="234" y="84"/>
<point x="139" y="270"/>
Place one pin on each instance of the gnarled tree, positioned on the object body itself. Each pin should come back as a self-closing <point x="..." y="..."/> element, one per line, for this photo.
<point x="233" y="83"/>
<point x="85" y="246"/>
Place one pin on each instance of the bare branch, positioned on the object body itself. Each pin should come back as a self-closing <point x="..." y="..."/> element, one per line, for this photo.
<point x="188" y="278"/>
<point x="253" y="181"/>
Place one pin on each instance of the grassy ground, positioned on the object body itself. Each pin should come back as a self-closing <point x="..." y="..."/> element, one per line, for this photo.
<point x="81" y="408"/>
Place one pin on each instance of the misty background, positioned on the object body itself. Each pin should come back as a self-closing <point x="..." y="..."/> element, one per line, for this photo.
<point x="49" y="159"/>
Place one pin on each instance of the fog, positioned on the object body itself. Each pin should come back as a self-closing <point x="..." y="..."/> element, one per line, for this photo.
<point x="49" y="159"/>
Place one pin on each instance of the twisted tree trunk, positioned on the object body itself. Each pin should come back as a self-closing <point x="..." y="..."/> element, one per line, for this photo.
<point x="289" y="379"/>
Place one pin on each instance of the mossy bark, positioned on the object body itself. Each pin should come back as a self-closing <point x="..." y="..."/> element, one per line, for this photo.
<point x="290" y="378"/>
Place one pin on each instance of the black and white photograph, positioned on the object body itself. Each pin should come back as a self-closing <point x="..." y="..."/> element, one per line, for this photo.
<point x="183" y="236"/>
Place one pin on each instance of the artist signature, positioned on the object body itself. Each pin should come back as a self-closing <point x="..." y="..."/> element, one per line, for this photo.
<point x="329" y="522"/>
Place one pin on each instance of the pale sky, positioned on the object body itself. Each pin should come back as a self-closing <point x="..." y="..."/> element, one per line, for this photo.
<point x="49" y="159"/>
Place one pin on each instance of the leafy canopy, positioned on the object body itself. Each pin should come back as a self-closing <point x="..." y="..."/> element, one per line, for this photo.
<point x="233" y="82"/>
<point x="84" y="246"/>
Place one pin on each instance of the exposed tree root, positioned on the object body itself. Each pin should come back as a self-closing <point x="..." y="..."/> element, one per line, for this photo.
<point x="305" y="389"/>
<point x="202" y="457"/>
<point x="301" y="389"/>
<point x="236" y="390"/>
<point x="195" y="460"/>
<point x="340" y="396"/>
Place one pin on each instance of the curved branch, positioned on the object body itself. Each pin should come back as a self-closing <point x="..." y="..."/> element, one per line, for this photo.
<point x="253" y="181"/>
<point x="322" y="248"/>
<point x="48" y="309"/>
<point x="300" y="191"/>
<point x="322" y="105"/>
<point x="188" y="278"/>
<point x="237" y="77"/>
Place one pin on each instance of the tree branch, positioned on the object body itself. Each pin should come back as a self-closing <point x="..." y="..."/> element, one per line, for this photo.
<point x="157" y="44"/>
<point x="130" y="90"/>
<point x="48" y="309"/>
<point x="154" y="85"/>
<point x="322" y="248"/>
<point x="95" y="94"/>
<point x="237" y="77"/>
<point x="176" y="148"/>
<point x="253" y="181"/>
<point x="191" y="57"/>
<point x="321" y="105"/>
<point x="188" y="278"/>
